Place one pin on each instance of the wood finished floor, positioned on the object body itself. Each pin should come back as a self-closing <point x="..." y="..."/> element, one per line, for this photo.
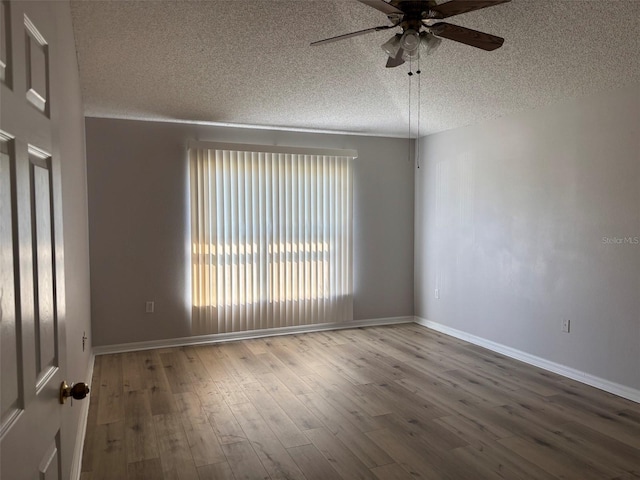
<point x="396" y="402"/>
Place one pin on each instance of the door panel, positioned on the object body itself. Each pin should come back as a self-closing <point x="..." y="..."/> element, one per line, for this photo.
<point x="5" y="43"/>
<point x="31" y="252"/>
<point x="9" y="335"/>
<point x="37" y="66"/>
<point x="43" y="271"/>
<point x="50" y="465"/>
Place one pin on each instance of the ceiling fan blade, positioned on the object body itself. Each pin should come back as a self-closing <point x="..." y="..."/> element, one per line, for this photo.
<point x="467" y="36"/>
<point x="456" y="7"/>
<point x="383" y="6"/>
<point x="353" y="34"/>
<point x="397" y="60"/>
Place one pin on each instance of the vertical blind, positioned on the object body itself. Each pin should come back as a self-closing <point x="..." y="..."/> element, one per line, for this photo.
<point x="271" y="237"/>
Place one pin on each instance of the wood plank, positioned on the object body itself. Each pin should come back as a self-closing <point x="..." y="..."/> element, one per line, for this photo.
<point x="193" y="365"/>
<point x="145" y="470"/>
<point x="385" y="365"/>
<point x="540" y="452"/>
<point x="109" y="459"/>
<point x="472" y="428"/>
<point x="334" y="422"/>
<point x="503" y="370"/>
<point x="312" y="463"/>
<point x="363" y="448"/>
<point x="370" y="400"/>
<point x="175" y="456"/>
<point x="140" y="439"/>
<point x="426" y="433"/>
<point x="231" y="391"/>
<point x="218" y="471"/>
<point x="177" y="374"/>
<point x="600" y="448"/>
<point x="137" y="404"/>
<point x="209" y="394"/>
<point x="210" y="357"/>
<point x="347" y="359"/>
<point x="327" y="375"/>
<point x="478" y="386"/>
<point x="411" y="350"/>
<point x="244" y="361"/>
<point x="111" y="405"/>
<point x="448" y="398"/>
<point x="393" y="471"/>
<point x="418" y="461"/>
<point x="244" y="462"/>
<point x="189" y="406"/>
<point x="413" y="406"/>
<point x="632" y="415"/>
<point x="274" y="457"/>
<point x="627" y="476"/>
<point x="338" y="455"/>
<point x="90" y="438"/>
<point x="203" y="442"/>
<point x="315" y="352"/>
<point x="234" y="358"/>
<point x="292" y="406"/>
<point x="277" y="419"/>
<point x="293" y="382"/>
<point x="156" y="383"/>
<point x="132" y="371"/>
<point x="605" y="422"/>
<point x="291" y="360"/>
<point x="96" y="377"/>
<point x="346" y="406"/>
<point x="224" y="424"/>
<point x="492" y="460"/>
<point x="256" y="346"/>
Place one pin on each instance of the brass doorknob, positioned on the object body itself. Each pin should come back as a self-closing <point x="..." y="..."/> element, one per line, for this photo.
<point x="76" y="390"/>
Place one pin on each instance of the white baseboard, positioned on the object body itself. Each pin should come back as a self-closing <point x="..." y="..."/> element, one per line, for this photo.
<point x="229" y="337"/>
<point x="580" y="376"/>
<point x="76" y="465"/>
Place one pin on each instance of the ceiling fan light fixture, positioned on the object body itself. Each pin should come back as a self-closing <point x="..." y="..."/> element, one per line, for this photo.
<point x="392" y="45"/>
<point x="411" y="56"/>
<point x="429" y="42"/>
<point x="410" y="40"/>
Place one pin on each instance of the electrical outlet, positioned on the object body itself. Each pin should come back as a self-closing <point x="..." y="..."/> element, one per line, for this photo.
<point x="566" y="325"/>
<point x="437" y="293"/>
<point x="150" y="307"/>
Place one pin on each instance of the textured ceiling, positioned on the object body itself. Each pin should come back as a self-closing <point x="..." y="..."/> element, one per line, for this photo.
<point x="248" y="62"/>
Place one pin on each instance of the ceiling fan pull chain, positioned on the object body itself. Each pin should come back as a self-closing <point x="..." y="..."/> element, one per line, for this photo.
<point x="409" y="135"/>
<point x="419" y="108"/>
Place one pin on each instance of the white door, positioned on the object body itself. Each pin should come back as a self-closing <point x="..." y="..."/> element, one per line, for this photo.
<point x="31" y="254"/>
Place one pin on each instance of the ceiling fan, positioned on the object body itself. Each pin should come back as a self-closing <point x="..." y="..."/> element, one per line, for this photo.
<point x="420" y="28"/>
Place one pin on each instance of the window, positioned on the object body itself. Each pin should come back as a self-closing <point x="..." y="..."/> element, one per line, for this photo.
<point x="271" y="237"/>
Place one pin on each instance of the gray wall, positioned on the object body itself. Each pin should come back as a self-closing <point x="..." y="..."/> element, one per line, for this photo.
<point x="70" y="132"/>
<point x="139" y="229"/>
<point x="512" y="223"/>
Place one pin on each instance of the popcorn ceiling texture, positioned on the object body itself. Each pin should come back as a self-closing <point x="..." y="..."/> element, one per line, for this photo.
<point x="248" y="62"/>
